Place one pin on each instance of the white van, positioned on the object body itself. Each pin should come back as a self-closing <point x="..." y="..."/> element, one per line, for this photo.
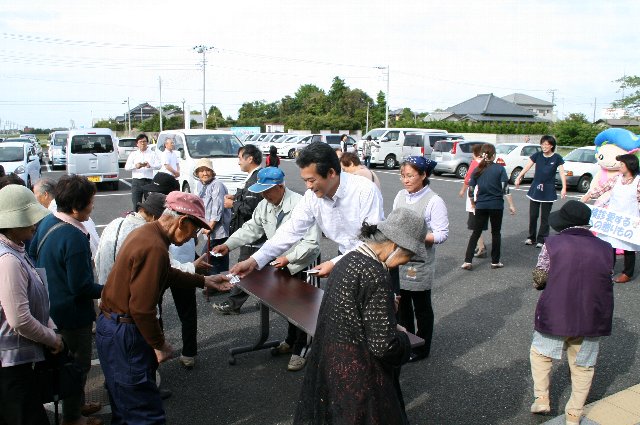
<point x="387" y="147"/>
<point x="93" y="152"/>
<point x="219" y="146"/>
<point x="58" y="149"/>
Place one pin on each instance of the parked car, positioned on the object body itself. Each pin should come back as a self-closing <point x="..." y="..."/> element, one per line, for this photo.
<point x="332" y="140"/>
<point x="421" y="144"/>
<point x="32" y="140"/>
<point x="20" y="158"/>
<point x="220" y="146"/>
<point x="387" y="146"/>
<point x="270" y="140"/>
<point x="58" y="149"/>
<point x="580" y="167"/>
<point x="514" y="157"/>
<point x="285" y="145"/>
<point x="92" y="152"/>
<point x="126" y="145"/>
<point x="453" y="156"/>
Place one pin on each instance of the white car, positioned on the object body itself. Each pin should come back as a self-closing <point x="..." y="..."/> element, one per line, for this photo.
<point x="580" y="167"/>
<point x="514" y="157"/>
<point x="286" y="146"/>
<point x="21" y="158"/>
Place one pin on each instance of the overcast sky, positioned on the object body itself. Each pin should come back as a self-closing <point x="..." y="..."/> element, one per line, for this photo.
<point x="78" y="60"/>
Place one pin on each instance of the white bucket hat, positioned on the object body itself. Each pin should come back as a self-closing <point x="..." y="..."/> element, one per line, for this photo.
<point x="19" y="207"/>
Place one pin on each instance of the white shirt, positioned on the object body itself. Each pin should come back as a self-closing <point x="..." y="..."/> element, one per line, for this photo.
<point x="137" y="157"/>
<point x="435" y="213"/>
<point x="340" y="219"/>
<point x="169" y="158"/>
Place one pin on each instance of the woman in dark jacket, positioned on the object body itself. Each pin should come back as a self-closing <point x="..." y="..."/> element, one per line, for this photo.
<point x="352" y="373"/>
<point x="574" y="310"/>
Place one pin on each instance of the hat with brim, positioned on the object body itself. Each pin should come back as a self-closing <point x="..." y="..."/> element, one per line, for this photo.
<point x="154" y="204"/>
<point x="19" y="207"/>
<point x="573" y="213"/>
<point x="188" y="204"/>
<point x="267" y="178"/>
<point x="202" y="162"/>
<point x="407" y="229"/>
<point x="162" y="183"/>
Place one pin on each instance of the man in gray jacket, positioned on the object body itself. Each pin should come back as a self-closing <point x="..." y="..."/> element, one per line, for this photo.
<point x="271" y="212"/>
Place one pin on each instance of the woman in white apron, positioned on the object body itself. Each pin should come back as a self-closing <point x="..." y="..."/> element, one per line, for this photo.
<point x="416" y="277"/>
<point x="625" y="199"/>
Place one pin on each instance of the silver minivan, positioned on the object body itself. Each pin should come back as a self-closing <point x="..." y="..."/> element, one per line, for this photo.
<point x="453" y="156"/>
<point x="58" y="149"/>
<point x="92" y="152"/>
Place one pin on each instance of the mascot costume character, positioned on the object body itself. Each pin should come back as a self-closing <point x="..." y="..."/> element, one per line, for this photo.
<point x="609" y="144"/>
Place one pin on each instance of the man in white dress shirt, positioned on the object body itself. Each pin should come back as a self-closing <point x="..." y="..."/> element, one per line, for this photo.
<point x="141" y="163"/>
<point x="338" y="202"/>
<point x="169" y="159"/>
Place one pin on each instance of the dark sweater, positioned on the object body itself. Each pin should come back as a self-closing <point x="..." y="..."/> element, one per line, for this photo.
<point x="490" y="196"/>
<point x="140" y="274"/>
<point x="66" y="256"/>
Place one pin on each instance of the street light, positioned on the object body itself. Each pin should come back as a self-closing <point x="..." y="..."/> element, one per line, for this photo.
<point x="128" y="114"/>
<point x="203" y="49"/>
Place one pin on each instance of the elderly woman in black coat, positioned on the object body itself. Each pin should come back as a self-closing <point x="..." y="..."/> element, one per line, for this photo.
<point x="352" y="374"/>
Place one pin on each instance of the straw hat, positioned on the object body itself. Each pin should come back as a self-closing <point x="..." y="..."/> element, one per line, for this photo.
<point x="19" y="207"/>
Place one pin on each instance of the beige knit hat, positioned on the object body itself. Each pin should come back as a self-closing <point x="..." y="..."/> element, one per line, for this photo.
<point x="202" y="162"/>
<point x="19" y="207"/>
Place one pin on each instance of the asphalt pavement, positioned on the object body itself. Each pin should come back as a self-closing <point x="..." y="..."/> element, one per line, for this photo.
<point x="478" y="371"/>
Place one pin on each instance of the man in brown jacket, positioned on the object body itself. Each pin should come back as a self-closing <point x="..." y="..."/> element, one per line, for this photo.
<point x="129" y="339"/>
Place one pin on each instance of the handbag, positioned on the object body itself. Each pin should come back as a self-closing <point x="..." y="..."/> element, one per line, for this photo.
<point x="58" y="376"/>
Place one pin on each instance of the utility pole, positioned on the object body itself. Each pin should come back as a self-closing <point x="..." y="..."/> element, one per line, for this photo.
<point x="367" y="127"/>
<point x="128" y="115"/>
<point x="553" y="100"/>
<point x="160" y="85"/>
<point x="203" y="50"/>
<point x="595" y="102"/>
<point x="386" y="113"/>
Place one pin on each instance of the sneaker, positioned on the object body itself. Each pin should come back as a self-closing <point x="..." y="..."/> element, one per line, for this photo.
<point x="497" y="265"/>
<point x="541" y="405"/>
<point x="528" y="242"/>
<point x="539" y="245"/>
<point x="225" y="308"/>
<point x="188" y="362"/>
<point x="283" y="348"/>
<point x="466" y="266"/>
<point x="296" y="363"/>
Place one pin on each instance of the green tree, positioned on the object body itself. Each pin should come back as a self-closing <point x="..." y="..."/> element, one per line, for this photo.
<point x="631" y="101"/>
<point x="336" y="95"/>
<point x="575" y="130"/>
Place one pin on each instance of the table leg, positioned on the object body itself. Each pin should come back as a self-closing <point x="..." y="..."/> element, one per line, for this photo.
<point x="262" y="342"/>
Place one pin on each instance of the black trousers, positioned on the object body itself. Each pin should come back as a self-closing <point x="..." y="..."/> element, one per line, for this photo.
<point x="136" y="191"/>
<point x="542" y="210"/>
<point x="186" y="306"/>
<point x="417" y="304"/>
<point x="629" y="262"/>
<point x="482" y="217"/>
<point x="19" y="402"/>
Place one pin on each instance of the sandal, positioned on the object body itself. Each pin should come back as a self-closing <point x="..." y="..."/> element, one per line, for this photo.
<point x="466" y="266"/>
<point x="497" y="265"/>
<point x="482" y="253"/>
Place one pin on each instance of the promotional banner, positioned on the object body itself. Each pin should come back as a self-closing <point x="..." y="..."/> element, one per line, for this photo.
<point x="616" y="225"/>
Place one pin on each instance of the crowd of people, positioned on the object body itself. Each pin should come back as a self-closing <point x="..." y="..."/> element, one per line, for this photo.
<point x="378" y="288"/>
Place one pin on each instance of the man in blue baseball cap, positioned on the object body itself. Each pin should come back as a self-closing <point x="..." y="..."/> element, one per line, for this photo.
<point x="274" y="210"/>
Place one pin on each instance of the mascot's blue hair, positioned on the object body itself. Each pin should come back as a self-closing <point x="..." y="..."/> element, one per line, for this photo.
<point x="619" y="137"/>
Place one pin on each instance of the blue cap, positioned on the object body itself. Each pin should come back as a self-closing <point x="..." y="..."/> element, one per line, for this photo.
<point x="267" y="178"/>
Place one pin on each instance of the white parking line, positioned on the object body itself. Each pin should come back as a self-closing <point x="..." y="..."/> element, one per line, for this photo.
<point x="125" y="182"/>
<point x="113" y="194"/>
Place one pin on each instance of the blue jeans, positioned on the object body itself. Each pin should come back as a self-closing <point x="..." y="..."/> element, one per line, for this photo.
<point x="129" y="365"/>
